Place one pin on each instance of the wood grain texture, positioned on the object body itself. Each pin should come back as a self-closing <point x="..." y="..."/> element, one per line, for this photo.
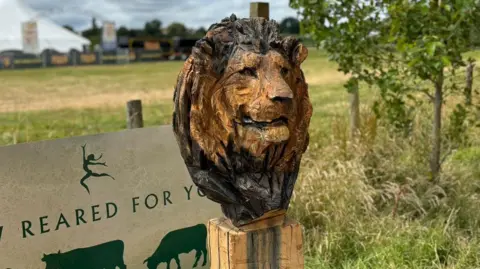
<point x="276" y="247"/>
<point x="259" y="9"/>
<point x="134" y="114"/>
<point x="241" y="116"/>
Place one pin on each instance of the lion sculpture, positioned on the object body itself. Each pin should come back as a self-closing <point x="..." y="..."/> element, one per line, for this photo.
<point x="241" y="116"/>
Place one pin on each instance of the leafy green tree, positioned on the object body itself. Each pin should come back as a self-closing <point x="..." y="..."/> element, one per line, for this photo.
<point x="122" y="31"/>
<point x="200" y="32"/>
<point x="408" y="51"/>
<point x="94" y="24"/>
<point x="344" y="29"/>
<point x="177" y="29"/>
<point x="290" y="25"/>
<point x="435" y="41"/>
<point x="135" y="33"/>
<point x="94" y="30"/>
<point x="153" y="28"/>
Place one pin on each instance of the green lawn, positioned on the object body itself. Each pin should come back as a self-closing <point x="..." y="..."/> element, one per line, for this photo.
<point x="346" y="194"/>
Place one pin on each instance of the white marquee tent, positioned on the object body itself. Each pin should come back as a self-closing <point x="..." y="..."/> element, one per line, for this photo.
<point x="50" y="35"/>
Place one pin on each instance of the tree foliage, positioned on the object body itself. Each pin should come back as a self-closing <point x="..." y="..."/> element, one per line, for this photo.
<point x="200" y="32"/>
<point x="122" y="31"/>
<point x="290" y="25"/>
<point x="153" y="28"/>
<point x="93" y="31"/>
<point x="402" y="47"/>
<point x="176" y="29"/>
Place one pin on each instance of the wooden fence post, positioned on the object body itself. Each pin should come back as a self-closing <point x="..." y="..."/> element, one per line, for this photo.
<point x="134" y="114"/>
<point x="259" y="9"/>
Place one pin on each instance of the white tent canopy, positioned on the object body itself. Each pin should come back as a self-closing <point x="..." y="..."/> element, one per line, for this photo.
<point x="50" y="35"/>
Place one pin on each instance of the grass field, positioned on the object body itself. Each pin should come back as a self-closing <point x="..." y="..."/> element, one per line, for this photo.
<point x="364" y="205"/>
<point x="43" y="104"/>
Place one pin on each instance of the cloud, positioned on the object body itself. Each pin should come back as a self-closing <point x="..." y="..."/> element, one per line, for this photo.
<point x="133" y="14"/>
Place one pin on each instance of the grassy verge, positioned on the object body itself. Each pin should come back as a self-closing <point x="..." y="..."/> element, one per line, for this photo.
<point x="40" y="125"/>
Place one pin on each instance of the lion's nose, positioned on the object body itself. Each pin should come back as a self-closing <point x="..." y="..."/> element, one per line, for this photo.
<point x="282" y="94"/>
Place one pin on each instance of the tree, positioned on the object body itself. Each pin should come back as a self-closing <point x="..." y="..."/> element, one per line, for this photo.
<point x="344" y="29"/>
<point x="176" y="29"/>
<point x="94" y="30"/>
<point x="122" y="31"/>
<point x="418" y="41"/>
<point x="290" y="25"/>
<point x="68" y="27"/>
<point x="437" y="39"/>
<point x="201" y="31"/>
<point x="153" y="28"/>
<point x="191" y="32"/>
<point x="94" y="24"/>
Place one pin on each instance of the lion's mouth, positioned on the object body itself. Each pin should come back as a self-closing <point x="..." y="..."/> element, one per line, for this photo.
<point x="248" y="121"/>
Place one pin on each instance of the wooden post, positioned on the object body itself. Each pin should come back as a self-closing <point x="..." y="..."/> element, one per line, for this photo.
<point x="134" y="114"/>
<point x="259" y="9"/>
<point x="275" y="242"/>
<point x="469" y="82"/>
<point x="354" y="111"/>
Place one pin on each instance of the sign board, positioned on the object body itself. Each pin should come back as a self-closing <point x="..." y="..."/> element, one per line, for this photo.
<point x="30" y="37"/>
<point x="5" y="62"/>
<point x="21" y="61"/>
<point x="58" y="59"/>
<point x="152" y="55"/>
<point x="87" y="58"/>
<point x="111" y="57"/>
<point x="151" y="45"/>
<point x="109" y="36"/>
<point x="113" y="200"/>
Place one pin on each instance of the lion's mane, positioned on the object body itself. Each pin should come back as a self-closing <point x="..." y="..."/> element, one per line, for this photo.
<point x="245" y="186"/>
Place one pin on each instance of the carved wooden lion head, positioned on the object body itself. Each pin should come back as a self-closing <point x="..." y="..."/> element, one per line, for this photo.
<point x="241" y="115"/>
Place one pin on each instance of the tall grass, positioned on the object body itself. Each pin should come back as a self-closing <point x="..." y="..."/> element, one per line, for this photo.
<point x="370" y="203"/>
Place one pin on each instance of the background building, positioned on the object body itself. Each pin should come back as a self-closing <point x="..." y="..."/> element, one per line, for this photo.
<point x="50" y="35"/>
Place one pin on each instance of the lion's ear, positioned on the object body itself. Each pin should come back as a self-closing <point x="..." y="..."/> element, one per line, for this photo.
<point x="300" y="53"/>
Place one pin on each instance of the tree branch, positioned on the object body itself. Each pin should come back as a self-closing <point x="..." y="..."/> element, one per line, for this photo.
<point x="429" y="95"/>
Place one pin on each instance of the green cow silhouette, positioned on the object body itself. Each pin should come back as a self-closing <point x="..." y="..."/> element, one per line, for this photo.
<point x="180" y="241"/>
<point x="108" y="255"/>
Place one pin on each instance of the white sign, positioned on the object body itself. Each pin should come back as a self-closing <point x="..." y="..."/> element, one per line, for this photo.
<point x="109" y="36"/>
<point x="115" y="200"/>
<point x="30" y="37"/>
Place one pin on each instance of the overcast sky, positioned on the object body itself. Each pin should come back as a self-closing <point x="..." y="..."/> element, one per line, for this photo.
<point x="134" y="13"/>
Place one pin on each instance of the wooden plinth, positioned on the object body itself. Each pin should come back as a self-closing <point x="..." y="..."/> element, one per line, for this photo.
<point x="259" y="9"/>
<point x="273" y="243"/>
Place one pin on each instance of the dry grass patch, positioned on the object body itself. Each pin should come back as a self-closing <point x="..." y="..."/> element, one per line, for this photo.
<point x="104" y="100"/>
<point x="326" y="77"/>
<point x="112" y="86"/>
<point x="86" y="87"/>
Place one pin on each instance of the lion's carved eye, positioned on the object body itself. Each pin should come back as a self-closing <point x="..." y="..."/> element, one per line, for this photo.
<point x="284" y="71"/>
<point x="248" y="71"/>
